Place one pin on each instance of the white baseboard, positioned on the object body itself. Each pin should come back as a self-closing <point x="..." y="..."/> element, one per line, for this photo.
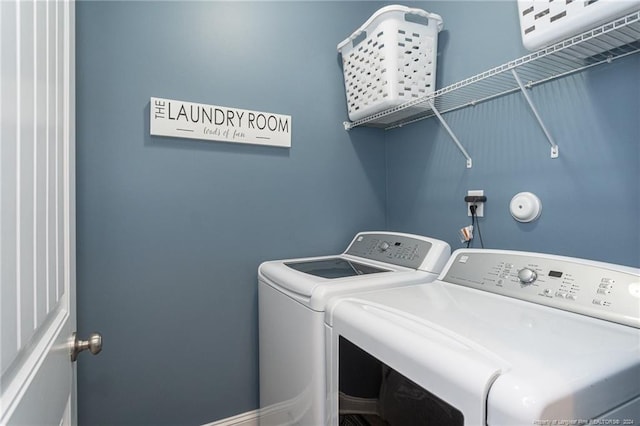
<point x="284" y="413"/>
<point x="250" y="418"/>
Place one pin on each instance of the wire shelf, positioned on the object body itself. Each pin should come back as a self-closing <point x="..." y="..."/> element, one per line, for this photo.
<point x="614" y="40"/>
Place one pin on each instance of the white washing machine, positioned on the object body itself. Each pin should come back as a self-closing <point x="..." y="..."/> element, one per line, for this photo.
<point x="292" y="298"/>
<point x="502" y="338"/>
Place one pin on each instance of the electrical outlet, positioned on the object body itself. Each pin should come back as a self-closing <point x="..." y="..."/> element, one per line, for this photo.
<point x="480" y="206"/>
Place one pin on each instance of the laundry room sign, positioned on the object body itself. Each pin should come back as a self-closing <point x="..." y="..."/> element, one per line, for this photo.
<point x="217" y="123"/>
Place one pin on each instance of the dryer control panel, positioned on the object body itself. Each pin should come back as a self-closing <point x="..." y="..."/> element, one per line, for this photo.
<point x="411" y="251"/>
<point x="601" y="290"/>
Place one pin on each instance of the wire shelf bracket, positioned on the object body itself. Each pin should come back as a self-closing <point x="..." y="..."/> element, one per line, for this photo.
<point x="554" y="146"/>
<point x="453" y="135"/>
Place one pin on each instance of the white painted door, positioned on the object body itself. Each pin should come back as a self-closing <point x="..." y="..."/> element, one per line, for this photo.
<point x="37" y="216"/>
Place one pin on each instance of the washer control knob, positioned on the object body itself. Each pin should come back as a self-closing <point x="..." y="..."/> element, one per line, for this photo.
<point x="527" y="276"/>
<point x="384" y="246"/>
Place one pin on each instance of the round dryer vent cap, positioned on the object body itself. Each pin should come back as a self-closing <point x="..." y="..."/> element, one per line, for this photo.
<point x="525" y="207"/>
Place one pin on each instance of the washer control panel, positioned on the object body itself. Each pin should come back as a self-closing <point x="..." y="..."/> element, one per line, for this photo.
<point x="393" y="248"/>
<point x="601" y="290"/>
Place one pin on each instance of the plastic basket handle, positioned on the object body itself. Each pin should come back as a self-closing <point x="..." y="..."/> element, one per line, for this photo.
<point x="392" y="8"/>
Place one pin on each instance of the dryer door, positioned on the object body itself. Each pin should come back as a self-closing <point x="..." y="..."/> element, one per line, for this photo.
<point x="418" y="368"/>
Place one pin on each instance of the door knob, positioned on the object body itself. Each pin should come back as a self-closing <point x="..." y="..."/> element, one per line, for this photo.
<point x="94" y="344"/>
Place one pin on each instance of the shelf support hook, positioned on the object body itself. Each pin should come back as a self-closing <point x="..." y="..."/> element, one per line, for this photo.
<point x="453" y="136"/>
<point x="554" y="146"/>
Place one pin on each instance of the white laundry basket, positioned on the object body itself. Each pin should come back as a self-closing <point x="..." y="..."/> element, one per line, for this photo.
<point x="544" y="22"/>
<point x="390" y="60"/>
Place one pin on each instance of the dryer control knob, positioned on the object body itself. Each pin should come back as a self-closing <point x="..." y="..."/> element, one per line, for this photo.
<point x="527" y="276"/>
<point x="384" y="246"/>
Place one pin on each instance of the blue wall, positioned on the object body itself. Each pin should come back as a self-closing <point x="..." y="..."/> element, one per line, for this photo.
<point x="171" y="231"/>
<point x="590" y="195"/>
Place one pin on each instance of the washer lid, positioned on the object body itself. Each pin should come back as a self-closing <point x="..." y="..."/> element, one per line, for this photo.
<point x="314" y="291"/>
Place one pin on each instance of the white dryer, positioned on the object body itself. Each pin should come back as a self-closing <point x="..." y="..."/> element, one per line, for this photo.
<point x="292" y="295"/>
<point x="502" y="338"/>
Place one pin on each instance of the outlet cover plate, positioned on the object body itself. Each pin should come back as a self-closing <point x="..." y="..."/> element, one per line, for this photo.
<point x="480" y="209"/>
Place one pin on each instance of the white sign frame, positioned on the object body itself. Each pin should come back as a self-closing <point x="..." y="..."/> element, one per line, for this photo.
<point x="180" y="119"/>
